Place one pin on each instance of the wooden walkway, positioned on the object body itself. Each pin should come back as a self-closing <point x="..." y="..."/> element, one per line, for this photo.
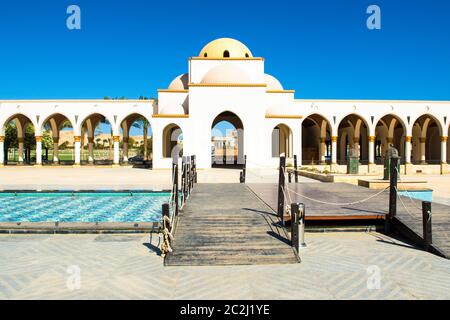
<point x="409" y="215"/>
<point x="226" y="224"/>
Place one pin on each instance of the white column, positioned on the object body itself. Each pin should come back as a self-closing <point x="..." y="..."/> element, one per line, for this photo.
<point x="38" y="150"/>
<point x="334" y="149"/>
<point x="55" y="149"/>
<point x="444" y="149"/>
<point x="372" y="149"/>
<point x="408" y="149"/>
<point x="91" y="149"/>
<point x="125" y="149"/>
<point x="423" y="158"/>
<point x="20" y="149"/>
<point x="77" y="145"/>
<point x="322" y="150"/>
<point x="2" y="153"/>
<point x="116" y="150"/>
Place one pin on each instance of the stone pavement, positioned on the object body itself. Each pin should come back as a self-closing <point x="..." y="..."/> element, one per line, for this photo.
<point x="334" y="266"/>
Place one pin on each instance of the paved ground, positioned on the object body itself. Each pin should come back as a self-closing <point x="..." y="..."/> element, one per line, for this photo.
<point x="123" y="178"/>
<point x="334" y="266"/>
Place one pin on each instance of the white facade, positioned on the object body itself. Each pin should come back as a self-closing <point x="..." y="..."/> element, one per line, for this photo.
<point x="225" y="82"/>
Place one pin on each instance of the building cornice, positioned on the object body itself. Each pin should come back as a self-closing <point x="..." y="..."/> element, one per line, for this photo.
<point x="373" y="101"/>
<point x="276" y="116"/>
<point x="243" y="85"/>
<point x="171" y="116"/>
<point x="173" y="91"/>
<point x="229" y="59"/>
<point x="79" y="101"/>
<point x="280" y="91"/>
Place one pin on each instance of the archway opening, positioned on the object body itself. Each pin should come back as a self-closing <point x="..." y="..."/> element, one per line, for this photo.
<point x="97" y="140"/>
<point x="353" y="135"/>
<point x="426" y="141"/>
<point x="227" y="141"/>
<point x="20" y="141"/>
<point x="282" y="141"/>
<point x="58" y="140"/>
<point x="136" y="140"/>
<point x="316" y="140"/>
<point x="172" y="142"/>
<point x="389" y="131"/>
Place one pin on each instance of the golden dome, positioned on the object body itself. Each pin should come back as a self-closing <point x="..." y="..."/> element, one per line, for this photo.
<point x="225" y="48"/>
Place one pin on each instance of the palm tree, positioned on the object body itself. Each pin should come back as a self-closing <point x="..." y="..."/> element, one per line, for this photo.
<point x="144" y="124"/>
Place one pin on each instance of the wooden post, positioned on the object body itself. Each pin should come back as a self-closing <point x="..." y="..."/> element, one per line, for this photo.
<point x="392" y="194"/>
<point x="195" y="168"/>
<point x="301" y="219"/>
<point x="427" y="224"/>
<point x="290" y="177"/>
<point x="183" y="181"/>
<point x="294" y="225"/>
<point x="177" y="206"/>
<point x="166" y="213"/>
<point x="243" y="172"/>
<point x="192" y="172"/>
<point x="281" y="186"/>
<point x="295" y="168"/>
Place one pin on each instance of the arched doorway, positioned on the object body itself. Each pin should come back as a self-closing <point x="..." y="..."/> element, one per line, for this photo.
<point x="426" y="140"/>
<point x="227" y="140"/>
<point x="352" y="134"/>
<point x="172" y="141"/>
<point x="20" y="141"/>
<point x="137" y="139"/>
<point x="58" y="140"/>
<point x="316" y="140"/>
<point x="97" y="140"/>
<point x="282" y="141"/>
<point x="389" y="130"/>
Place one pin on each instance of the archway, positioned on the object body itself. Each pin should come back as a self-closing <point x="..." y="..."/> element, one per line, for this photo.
<point x="172" y="141"/>
<point x="389" y="130"/>
<point x="20" y="140"/>
<point x="97" y="140"/>
<point x="426" y="140"/>
<point x="58" y="140"/>
<point x="353" y="134"/>
<point x="137" y="139"/>
<point x="227" y="140"/>
<point x="316" y="140"/>
<point x="282" y="141"/>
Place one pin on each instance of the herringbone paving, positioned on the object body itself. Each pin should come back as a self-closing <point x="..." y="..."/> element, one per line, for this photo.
<point x="334" y="266"/>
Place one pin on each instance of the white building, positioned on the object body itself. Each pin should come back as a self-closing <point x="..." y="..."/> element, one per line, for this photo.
<point x="226" y="82"/>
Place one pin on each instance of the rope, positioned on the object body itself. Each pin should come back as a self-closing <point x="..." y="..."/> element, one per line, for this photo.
<point x="413" y="201"/>
<point x="340" y="204"/>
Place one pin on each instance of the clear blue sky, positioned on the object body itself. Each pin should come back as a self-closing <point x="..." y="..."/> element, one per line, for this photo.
<point x="320" y="48"/>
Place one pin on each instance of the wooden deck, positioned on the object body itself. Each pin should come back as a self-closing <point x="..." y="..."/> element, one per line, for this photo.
<point x="226" y="224"/>
<point x="409" y="215"/>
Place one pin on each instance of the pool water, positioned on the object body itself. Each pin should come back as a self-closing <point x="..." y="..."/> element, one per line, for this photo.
<point x="423" y="195"/>
<point x="81" y="207"/>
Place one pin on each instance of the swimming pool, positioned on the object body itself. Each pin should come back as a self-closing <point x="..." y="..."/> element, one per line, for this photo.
<point x="423" y="195"/>
<point x="81" y="206"/>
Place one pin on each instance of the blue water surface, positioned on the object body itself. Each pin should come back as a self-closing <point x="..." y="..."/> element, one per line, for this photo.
<point x="81" y="207"/>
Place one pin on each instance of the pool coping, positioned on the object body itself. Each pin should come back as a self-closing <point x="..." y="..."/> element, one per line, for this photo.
<point x="78" y="227"/>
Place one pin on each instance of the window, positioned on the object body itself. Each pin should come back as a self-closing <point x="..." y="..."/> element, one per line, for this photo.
<point x="226" y="54"/>
<point x="247" y="55"/>
<point x="205" y="55"/>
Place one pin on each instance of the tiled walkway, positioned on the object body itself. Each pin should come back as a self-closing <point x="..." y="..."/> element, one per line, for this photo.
<point x="334" y="266"/>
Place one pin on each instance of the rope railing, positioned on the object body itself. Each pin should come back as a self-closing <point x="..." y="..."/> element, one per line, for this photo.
<point x="171" y="209"/>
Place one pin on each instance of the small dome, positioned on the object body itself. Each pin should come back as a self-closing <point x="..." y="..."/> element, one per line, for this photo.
<point x="172" y="109"/>
<point x="225" y="48"/>
<point x="272" y="83"/>
<point x="180" y="82"/>
<point x="226" y="74"/>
